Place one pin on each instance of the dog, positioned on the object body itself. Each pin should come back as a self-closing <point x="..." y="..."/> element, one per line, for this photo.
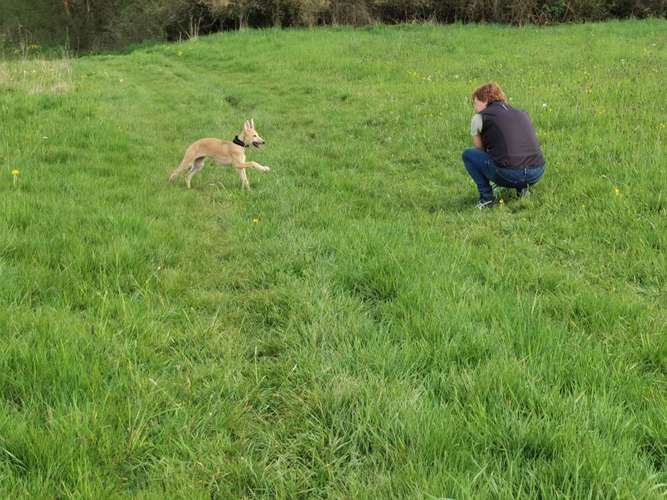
<point x="223" y="153"/>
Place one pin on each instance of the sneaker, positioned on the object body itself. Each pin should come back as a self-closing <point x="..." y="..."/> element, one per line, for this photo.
<point x="484" y="204"/>
<point x="523" y="192"/>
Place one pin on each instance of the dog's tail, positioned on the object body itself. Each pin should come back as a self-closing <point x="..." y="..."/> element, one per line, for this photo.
<point x="175" y="173"/>
<point x="185" y="164"/>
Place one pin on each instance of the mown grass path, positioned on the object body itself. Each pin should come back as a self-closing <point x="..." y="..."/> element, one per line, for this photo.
<point x="351" y="328"/>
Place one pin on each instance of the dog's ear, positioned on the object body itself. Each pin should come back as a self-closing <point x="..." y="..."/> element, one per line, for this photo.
<point x="246" y="125"/>
<point x="252" y="123"/>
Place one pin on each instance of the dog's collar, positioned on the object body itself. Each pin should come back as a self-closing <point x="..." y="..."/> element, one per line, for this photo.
<point x="239" y="142"/>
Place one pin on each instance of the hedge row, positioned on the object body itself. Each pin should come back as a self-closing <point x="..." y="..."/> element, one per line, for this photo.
<point x="101" y="24"/>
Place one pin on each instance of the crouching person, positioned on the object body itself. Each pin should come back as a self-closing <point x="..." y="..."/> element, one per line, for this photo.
<point x="506" y="150"/>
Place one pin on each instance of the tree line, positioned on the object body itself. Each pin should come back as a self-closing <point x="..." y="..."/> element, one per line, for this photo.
<point x="84" y="25"/>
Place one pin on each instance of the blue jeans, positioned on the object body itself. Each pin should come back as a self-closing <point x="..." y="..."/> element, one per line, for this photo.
<point x="483" y="169"/>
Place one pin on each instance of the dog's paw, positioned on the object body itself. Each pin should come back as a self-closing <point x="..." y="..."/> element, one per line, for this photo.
<point x="266" y="168"/>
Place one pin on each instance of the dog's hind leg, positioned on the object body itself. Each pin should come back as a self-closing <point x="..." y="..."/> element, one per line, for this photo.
<point x="196" y="167"/>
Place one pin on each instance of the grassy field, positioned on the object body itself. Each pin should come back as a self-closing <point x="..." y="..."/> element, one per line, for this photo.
<point x="351" y="327"/>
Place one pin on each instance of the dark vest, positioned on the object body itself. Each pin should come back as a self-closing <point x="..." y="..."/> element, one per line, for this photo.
<point x="509" y="138"/>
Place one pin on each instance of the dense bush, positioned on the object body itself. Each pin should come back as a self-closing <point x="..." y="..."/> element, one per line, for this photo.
<point x="97" y="24"/>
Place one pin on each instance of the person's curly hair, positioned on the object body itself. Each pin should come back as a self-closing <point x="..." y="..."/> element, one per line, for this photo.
<point x="489" y="92"/>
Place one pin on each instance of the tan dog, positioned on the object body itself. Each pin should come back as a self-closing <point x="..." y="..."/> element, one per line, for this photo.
<point x="223" y="153"/>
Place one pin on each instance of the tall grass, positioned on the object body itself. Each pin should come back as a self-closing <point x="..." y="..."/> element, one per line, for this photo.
<point x="351" y="327"/>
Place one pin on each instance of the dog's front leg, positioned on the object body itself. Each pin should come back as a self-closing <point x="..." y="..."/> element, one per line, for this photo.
<point x="253" y="164"/>
<point x="244" y="178"/>
<point x="261" y="168"/>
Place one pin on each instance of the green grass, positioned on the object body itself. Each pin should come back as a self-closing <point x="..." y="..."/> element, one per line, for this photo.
<point x="352" y="327"/>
